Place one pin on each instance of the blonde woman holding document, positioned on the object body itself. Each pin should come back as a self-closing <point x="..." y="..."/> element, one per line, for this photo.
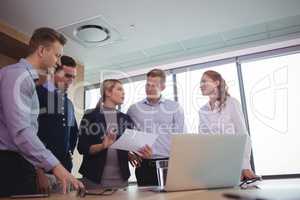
<point x="103" y="167"/>
<point x="223" y="114"/>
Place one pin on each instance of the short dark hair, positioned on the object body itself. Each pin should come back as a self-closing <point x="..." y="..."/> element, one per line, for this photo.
<point x="67" y="61"/>
<point x="45" y="36"/>
<point x="157" y="73"/>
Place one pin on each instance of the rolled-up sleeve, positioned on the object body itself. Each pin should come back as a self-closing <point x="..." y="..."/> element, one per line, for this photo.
<point x="20" y="111"/>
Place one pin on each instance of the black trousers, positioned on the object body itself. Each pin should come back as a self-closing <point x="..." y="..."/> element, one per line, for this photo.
<point x="67" y="162"/>
<point x="146" y="174"/>
<point x="17" y="175"/>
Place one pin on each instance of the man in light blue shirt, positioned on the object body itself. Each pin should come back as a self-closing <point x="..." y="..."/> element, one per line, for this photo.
<point x="159" y="116"/>
<point x="21" y="151"/>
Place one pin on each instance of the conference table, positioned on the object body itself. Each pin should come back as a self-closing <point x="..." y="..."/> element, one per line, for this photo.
<point x="280" y="189"/>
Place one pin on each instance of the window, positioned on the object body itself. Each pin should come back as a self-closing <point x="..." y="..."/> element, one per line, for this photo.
<point x="134" y="92"/>
<point x="189" y="94"/>
<point x="92" y="97"/>
<point x="272" y="96"/>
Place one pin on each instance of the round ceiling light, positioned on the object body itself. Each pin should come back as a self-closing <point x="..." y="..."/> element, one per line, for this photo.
<point x="92" y="33"/>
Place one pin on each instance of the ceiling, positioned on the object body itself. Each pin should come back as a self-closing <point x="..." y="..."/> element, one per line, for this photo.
<point x="157" y="32"/>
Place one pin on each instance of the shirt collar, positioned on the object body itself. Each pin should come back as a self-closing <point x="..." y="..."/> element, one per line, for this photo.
<point x="31" y="70"/>
<point x="216" y="107"/>
<point x="49" y="85"/>
<point x="161" y="100"/>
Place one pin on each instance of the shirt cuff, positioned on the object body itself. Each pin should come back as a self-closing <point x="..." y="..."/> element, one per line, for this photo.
<point x="246" y="164"/>
<point x="50" y="162"/>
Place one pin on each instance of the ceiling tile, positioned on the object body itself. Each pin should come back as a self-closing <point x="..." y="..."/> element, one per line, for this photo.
<point x="283" y="23"/>
<point x="163" y="49"/>
<point x="200" y="42"/>
<point x="244" y="32"/>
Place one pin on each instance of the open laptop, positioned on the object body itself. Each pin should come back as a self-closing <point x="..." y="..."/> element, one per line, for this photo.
<point x="204" y="161"/>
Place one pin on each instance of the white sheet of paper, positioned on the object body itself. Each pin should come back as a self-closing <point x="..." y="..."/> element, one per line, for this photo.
<point x="133" y="140"/>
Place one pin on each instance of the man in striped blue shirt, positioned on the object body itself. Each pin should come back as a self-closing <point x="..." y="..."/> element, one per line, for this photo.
<point x="159" y="116"/>
<point x="21" y="151"/>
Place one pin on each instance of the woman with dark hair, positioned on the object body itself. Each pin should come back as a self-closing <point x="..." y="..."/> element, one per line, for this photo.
<point x="223" y="114"/>
<point x="103" y="167"/>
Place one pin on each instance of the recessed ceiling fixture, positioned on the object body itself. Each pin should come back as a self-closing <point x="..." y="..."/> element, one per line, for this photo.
<point x="92" y="33"/>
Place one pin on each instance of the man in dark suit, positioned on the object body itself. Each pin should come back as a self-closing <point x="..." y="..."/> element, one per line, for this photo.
<point x="58" y="129"/>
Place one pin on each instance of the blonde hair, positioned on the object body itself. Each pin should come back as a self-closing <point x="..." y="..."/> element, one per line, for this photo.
<point x="106" y="85"/>
<point x="222" y="88"/>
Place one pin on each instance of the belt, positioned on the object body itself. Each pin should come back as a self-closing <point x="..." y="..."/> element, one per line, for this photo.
<point x="152" y="162"/>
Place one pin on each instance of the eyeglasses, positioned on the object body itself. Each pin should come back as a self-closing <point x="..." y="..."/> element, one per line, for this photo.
<point x="70" y="76"/>
<point x="104" y="192"/>
<point x="245" y="184"/>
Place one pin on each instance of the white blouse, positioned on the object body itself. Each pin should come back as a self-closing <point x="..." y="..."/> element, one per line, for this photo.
<point x="229" y="121"/>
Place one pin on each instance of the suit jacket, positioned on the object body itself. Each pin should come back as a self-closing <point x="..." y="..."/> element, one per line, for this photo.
<point x="92" y="129"/>
<point x="58" y="129"/>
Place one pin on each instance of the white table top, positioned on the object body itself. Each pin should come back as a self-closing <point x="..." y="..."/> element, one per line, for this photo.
<point x="269" y="189"/>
